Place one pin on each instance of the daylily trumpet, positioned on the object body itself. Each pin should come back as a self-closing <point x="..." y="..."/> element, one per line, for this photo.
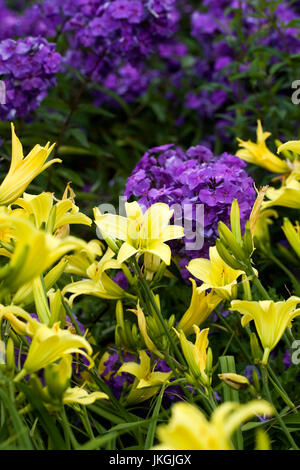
<point x="147" y="382"/>
<point x="196" y="354"/>
<point x="23" y="170"/>
<point x="215" y="274"/>
<point x="98" y="283"/>
<point x="50" y="344"/>
<point x="259" y="154"/>
<point x="141" y="233"/>
<point x="270" y="318"/>
<point x="34" y="252"/>
<point x="189" y="429"/>
<point x="201" y="306"/>
<point x="81" y="396"/>
<point x="57" y="377"/>
<point x="41" y="209"/>
<point x="288" y="195"/>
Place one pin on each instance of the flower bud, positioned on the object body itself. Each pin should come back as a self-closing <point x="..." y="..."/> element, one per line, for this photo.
<point x="235" y="381"/>
<point x="57" y="376"/>
<point x="10" y="355"/>
<point x="255" y="348"/>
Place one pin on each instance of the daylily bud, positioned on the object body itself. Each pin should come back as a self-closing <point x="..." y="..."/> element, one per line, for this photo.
<point x="51" y="220"/>
<point x="209" y="362"/>
<point x="230" y="242"/>
<point x="235" y="381"/>
<point x="255" y="348"/>
<point x="57" y="376"/>
<point x="57" y="309"/>
<point x="235" y="221"/>
<point x="226" y="256"/>
<point x="10" y="355"/>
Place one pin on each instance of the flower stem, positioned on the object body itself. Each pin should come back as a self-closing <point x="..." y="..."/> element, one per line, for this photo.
<point x="265" y="378"/>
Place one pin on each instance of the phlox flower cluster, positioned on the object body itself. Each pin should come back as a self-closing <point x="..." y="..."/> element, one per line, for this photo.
<point x="28" y="67"/>
<point x="170" y="175"/>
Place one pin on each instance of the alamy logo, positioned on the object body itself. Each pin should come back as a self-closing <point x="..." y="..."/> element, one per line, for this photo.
<point x="296" y="354"/>
<point x="2" y="92"/>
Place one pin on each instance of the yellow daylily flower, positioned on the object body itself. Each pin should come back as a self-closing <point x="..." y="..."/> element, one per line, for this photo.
<point x="81" y="396"/>
<point x="259" y="154"/>
<point x="40" y="208"/>
<point x="201" y="306"/>
<point x="215" y="274"/>
<point x="270" y="318"/>
<point x="188" y="428"/>
<point x="288" y="195"/>
<point x="147" y="381"/>
<point x="98" y="283"/>
<point x="141" y="233"/>
<point x="294" y="147"/>
<point x="23" y="170"/>
<point x="35" y="251"/>
<point x="196" y="354"/>
<point x="50" y="344"/>
<point x="143" y="329"/>
<point x="82" y="259"/>
<point x="24" y="294"/>
<point x="25" y="328"/>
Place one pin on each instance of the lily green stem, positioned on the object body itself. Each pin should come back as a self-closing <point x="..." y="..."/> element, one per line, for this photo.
<point x="265" y="379"/>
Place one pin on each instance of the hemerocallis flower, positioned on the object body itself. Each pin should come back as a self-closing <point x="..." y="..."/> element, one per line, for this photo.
<point x="147" y="381"/>
<point x="41" y="209"/>
<point x="259" y="154"/>
<point x="196" y="354"/>
<point x="141" y="233"/>
<point x="78" y="395"/>
<point x="23" y="170"/>
<point x="144" y="330"/>
<point x="12" y="314"/>
<point x="291" y="148"/>
<point x="188" y="428"/>
<point x="79" y="262"/>
<point x="271" y="318"/>
<point x="98" y="283"/>
<point x="288" y="195"/>
<point x="201" y="306"/>
<point x="34" y="251"/>
<point x="50" y="344"/>
<point x="215" y="274"/>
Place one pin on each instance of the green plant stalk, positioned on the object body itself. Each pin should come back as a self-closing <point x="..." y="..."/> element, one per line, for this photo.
<point x="265" y="379"/>
<point x="153" y="303"/>
<point x="246" y="354"/>
<point x="258" y="284"/>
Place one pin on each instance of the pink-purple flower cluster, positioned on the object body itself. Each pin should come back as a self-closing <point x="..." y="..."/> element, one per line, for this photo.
<point x="28" y="68"/>
<point x="170" y="175"/>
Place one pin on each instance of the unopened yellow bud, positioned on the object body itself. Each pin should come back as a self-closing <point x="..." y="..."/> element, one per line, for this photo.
<point x="235" y="381"/>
